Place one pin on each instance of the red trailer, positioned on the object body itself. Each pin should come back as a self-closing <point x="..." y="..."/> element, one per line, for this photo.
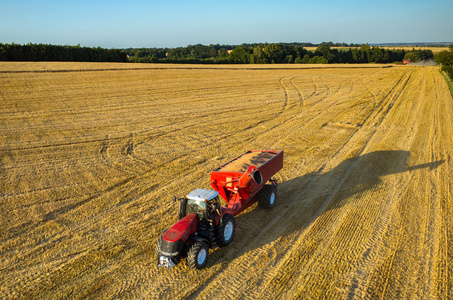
<point x="204" y="223"/>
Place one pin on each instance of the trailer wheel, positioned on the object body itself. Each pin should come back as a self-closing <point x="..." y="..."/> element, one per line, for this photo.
<point x="197" y="256"/>
<point x="224" y="233"/>
<point x="267" y="196"/>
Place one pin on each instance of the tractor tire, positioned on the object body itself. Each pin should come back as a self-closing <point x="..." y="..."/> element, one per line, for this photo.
<point x="197" y="256"/>
<point x="267" y="196"/>
<point x="157" y="249"/>
<point x="224" y="233"/>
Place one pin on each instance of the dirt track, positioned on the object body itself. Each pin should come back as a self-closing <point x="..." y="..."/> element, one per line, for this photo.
<point x="89" y="162"/>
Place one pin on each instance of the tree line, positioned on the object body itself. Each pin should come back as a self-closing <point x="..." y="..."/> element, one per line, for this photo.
<point x="445" y="58"/>
<point x="216" y="54"/>
<point x="275" y="53"/>
<point x="44" y="52"/>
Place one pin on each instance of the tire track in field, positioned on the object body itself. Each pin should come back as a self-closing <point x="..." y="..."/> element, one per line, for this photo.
<point x="310" y="106"/>
<point x="267" y="129"/>
<point x="300" y="95"/>
<point x="317" y="91"/>
<point x="286" y="100"/>
<point x="301" y="100"/>
<point x="383" y="106"/>
<point x="309" y="121"/>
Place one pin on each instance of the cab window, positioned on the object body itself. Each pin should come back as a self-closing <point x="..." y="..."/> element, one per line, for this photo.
<point x="196" y="207"/>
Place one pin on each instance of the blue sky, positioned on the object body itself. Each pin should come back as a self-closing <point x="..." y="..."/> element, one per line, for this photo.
<point x="137" y="23"/>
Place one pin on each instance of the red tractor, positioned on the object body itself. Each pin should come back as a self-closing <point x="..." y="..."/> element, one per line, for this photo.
<point x="204" y="223"/>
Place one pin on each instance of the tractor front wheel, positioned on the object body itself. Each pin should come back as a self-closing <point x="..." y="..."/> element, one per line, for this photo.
<point x="197" y="256"/>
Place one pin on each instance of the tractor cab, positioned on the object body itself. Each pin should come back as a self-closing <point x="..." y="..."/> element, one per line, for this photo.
<point x="204" y="203"/>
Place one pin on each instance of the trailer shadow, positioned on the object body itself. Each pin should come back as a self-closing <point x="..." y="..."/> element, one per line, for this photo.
<point x="303" y="199"/>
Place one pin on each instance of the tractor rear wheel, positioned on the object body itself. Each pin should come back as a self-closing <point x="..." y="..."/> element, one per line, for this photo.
<point x="267" y="196"/>
<point x="224" y="233"/>
<point x="197" y="256"/>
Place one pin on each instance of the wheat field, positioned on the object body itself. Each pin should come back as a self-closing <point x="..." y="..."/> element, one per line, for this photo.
<point x="434" y="49"/>
<point x="91" y="155"/>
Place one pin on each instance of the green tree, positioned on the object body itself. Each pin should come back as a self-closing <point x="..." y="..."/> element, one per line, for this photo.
<point x="223" y="52"/>
<point x="289" y="59"/>
<point x="258" y="55"/>
<point x="3" y="52"/>
<point x="365" y="51"/>
<point x="323" y="49"/>
<point x="445" y="58"/>
<point x="213" y="52"/>
<point x="318" y="60"/>
<point x="376" y="55"/>
<point x="273" y="53"/>
<point x="239" y="55"/>
<point x="306" y="59"/>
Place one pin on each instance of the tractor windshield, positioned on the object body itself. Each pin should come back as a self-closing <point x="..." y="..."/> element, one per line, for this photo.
<point x="196" y="207"/>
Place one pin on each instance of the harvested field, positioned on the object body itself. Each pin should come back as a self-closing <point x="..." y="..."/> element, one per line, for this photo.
<point x="434" y="49"/>
<point x="89" y="161"/>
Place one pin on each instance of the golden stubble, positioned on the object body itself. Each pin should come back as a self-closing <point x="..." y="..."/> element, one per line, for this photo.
<point x="91" y="155"/>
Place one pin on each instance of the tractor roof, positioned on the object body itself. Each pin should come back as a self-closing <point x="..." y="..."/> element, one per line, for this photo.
<point x="202" y="194"/>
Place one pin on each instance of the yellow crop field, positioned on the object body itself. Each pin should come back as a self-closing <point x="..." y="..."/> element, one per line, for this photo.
<point x="434" y="49"/>
<point x="91" y="155"/>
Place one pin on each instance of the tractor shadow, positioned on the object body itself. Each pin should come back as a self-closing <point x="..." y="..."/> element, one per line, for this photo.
<point x="310" y="196"/>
